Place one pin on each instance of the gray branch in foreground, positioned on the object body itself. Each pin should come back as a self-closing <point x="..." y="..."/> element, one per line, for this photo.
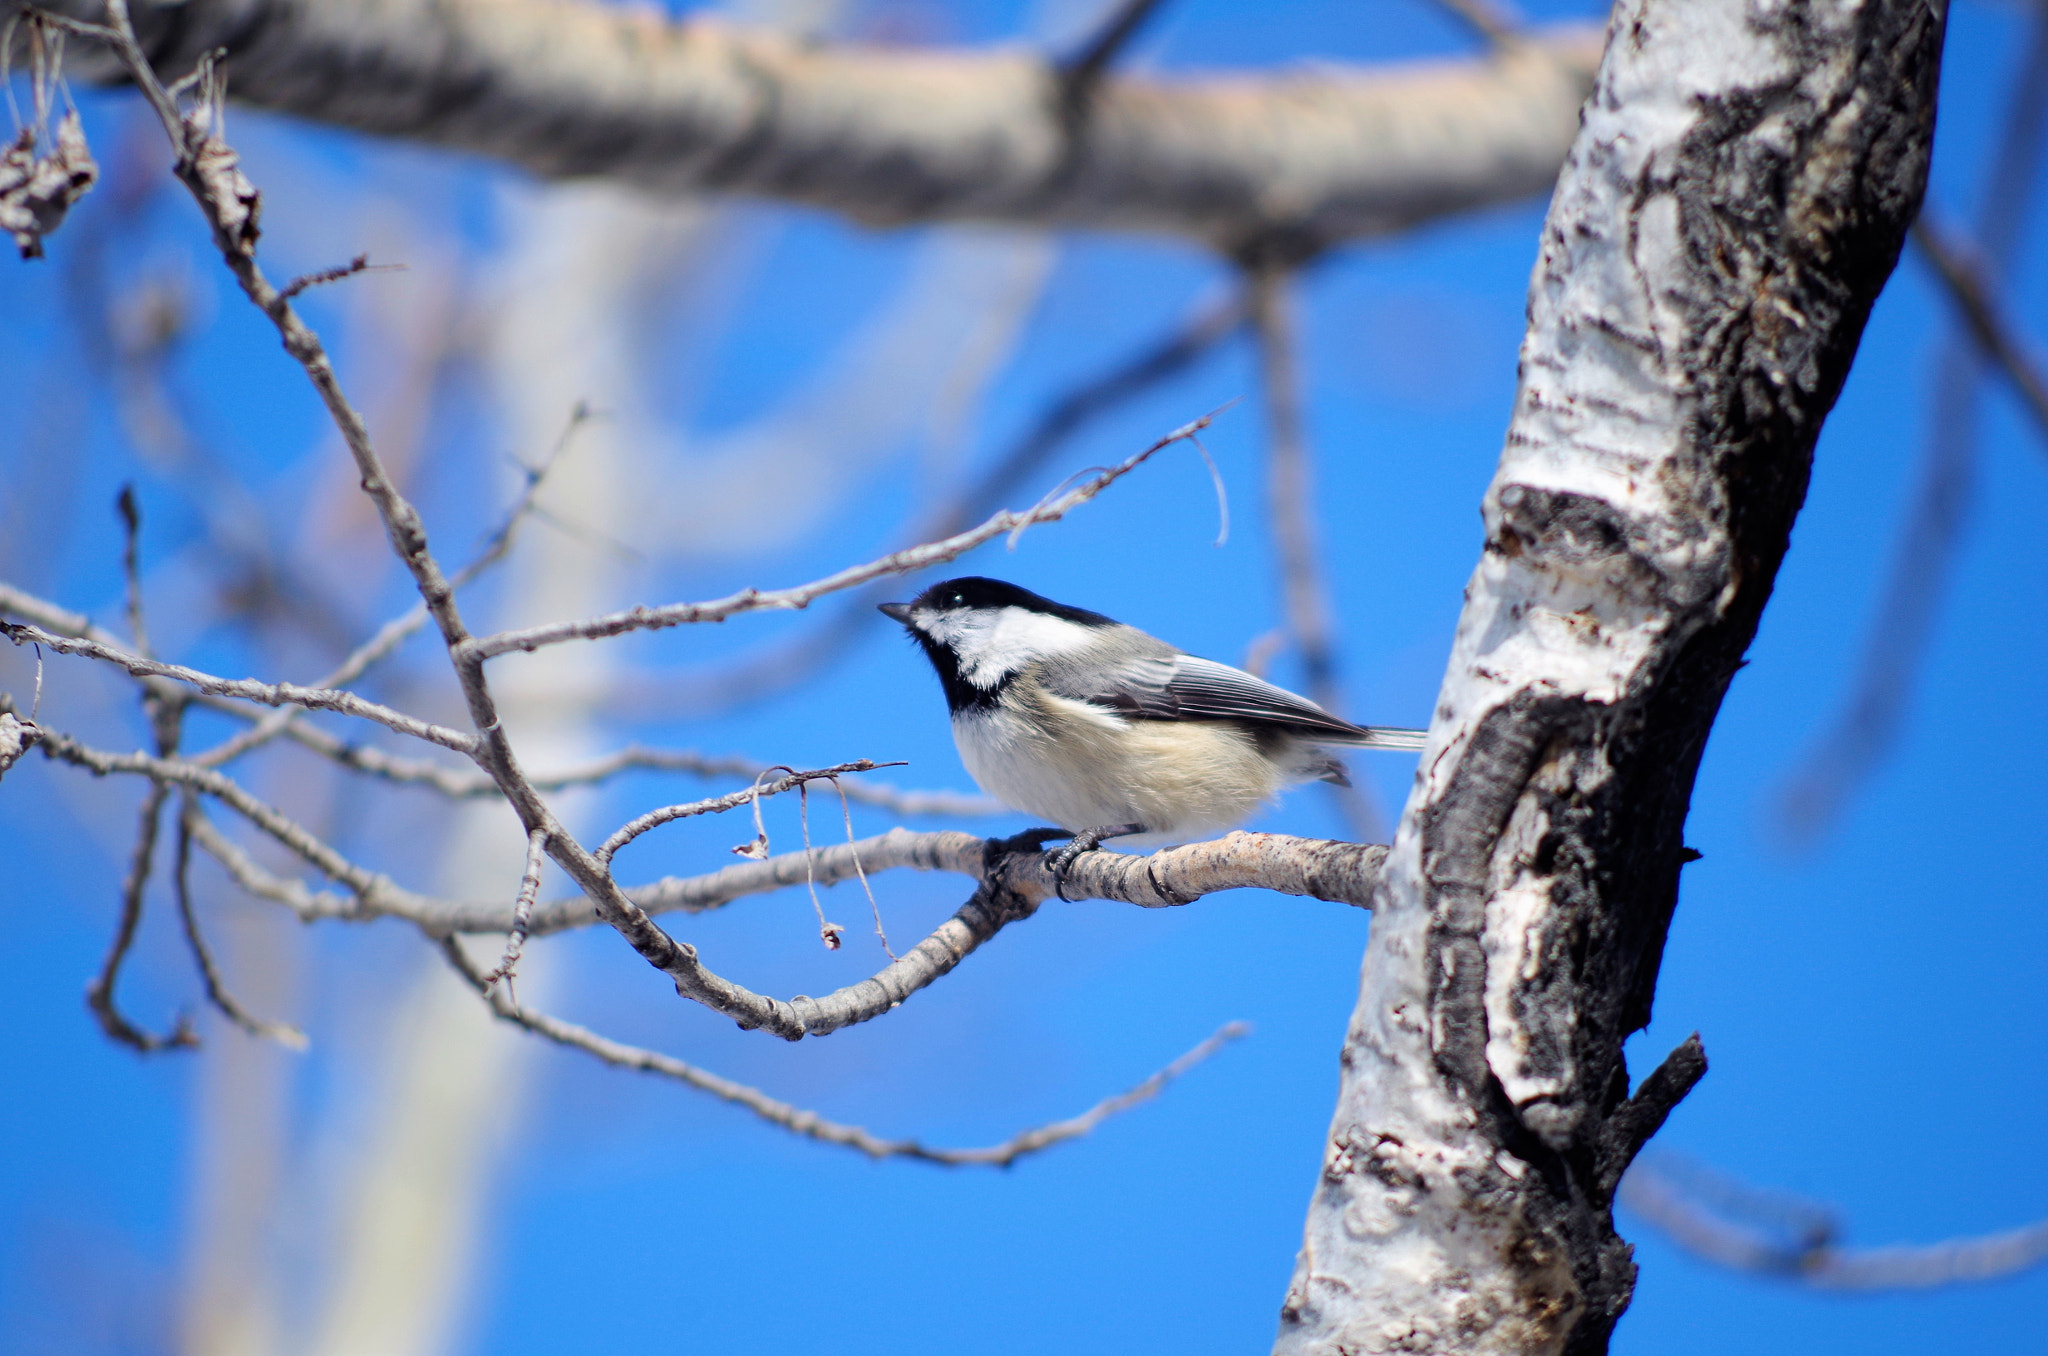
<point x="808" y="1123"/>
<point x="1013" y="880"/>
<point x="209" y="170"/>
<point x="587" y="90"/>
<point x="1013" y="883"/>
<point x="1736" y="200"/>
<point x="1721" y="1223"/>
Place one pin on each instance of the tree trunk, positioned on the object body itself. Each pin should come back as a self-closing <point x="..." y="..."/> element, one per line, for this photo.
<point x="1736" y="198"/>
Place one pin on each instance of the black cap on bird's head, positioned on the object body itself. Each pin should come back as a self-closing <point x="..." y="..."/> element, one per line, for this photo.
<point x="975" y="593"/>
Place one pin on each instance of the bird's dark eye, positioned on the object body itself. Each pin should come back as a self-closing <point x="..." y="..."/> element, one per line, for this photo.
<point x="957" y="600"/>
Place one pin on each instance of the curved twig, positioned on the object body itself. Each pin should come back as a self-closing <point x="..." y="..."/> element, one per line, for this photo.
<point x="1742" y="1229"/>
<point x="808" y="1123"/>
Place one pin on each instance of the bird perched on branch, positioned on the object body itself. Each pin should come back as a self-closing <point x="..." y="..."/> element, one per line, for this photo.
<point x="1109" y="732"/>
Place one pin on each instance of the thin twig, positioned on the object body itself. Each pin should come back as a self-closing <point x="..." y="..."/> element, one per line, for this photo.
<point x="1744" y="1230"/>
<point x="1083" y="71"/>
<point x="164" y="709"/>
<point x="496" y="546"/>
<point x="808" y="1123"/>
<point x="828" y="933"/>
<point x="374" y="894"/>
<point x="874" y="906"/>
<point x="246" y="689"/>
<point x="1494" y="22"/>
<point x="360" y="264"/>
<point x="1007" y="522"/>
<point x="217" y="991"/>
<point x="1987" y="322"/>
<point x="131" y="569"/>
<point x="632" y="829"/>
<point x="780" y="667"/>
<point x="1923" y="558"/>
<point x="99" y="994"/>
<point x="522" y="914"/>
<point x="1291" y="502"/>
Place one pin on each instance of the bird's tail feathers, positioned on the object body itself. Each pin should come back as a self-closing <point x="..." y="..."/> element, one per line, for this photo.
<point x="1385" y="737"/>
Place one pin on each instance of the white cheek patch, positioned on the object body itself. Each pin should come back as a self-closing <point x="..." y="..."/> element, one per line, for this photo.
<point x="1013" y="638"/>
<point x="969" y="635"/>
<point x="992" y="645"/>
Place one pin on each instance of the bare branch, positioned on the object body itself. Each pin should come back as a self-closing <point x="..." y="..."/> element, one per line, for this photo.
<point x="1005" y="523"/>
<point x="1923" y="558"/>
<point x="1290" y="494"/>
<point x="15" y="602"/>
<point x="718" y="804"/>
<point x="589" y="90"/>
<point x="217" y="991"/>
<point x="1343" y="873"/>
<point x="1014" y="881"/>
<point x="808" y="1123"/>
<point x="497" y="544"/>
<point x="1495" y="23"/>
<point x="1741" y="1229"/>
<point x="210" y="171"/>
<point x="522" y="915"/>
<point x="1644" y="1114"/>
<point x="1082" y="72"/>
<point x="245" y="689"/>
<point x="1988" y="325"/>
<point x="320" y="277"/>
<point x="99" y="994"/>
<point x="131" y="570"/>
<point x="374" y="894"/>
<point x="784" y="666"/>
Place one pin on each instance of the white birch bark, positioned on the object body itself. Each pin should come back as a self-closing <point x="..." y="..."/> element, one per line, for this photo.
<point x="1733" y="204"/>
<point x="570" y="89"/>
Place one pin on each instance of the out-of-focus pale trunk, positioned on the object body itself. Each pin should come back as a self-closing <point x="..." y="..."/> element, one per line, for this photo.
<point x="563" y="334"/>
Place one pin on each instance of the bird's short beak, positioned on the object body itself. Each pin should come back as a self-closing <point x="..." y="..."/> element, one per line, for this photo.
<point x="896" y="612"/>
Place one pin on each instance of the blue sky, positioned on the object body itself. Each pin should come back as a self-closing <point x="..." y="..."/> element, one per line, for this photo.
<point x="1872" y="1007"/>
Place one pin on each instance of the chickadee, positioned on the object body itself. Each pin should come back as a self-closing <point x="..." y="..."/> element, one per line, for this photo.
<point x="1109" y="732"/>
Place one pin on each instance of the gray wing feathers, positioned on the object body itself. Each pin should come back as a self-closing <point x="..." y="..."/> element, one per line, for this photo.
<point x="1176" y="686"/>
